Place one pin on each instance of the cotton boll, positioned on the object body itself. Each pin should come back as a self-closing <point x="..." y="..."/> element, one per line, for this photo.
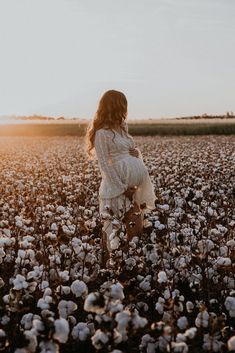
<point x="180" y="347"/>
<point x="163" y="342"/>
<point x="159" y="226"/>
<point x="61" y="330"/>
<point x="211" y="343"/>
<point x="231" y="343"/>
<point x="171" y="223"/>
<point x="6" y="298"/>
<point x="138" y="321"/>
<point x="230" y="305"/>
<point x="93" y="224"/>
<point x="202" y="319"/>
<point x="21" y="253"/>
<point x="122" y="319"/>
<point x="3" y="340"/>
<point x="142" y="306"/>
<point x="210" y="211"/>
<point x="45" y="314"/>
<point x="231" y="282"/>
<point x="167" y="293"/>
<point x="47" y="299"/>
<point x="66" y="178"/>
<point x="64" y="275"/>
<point x="223" y="261"/>
<point x="20" y="282"/>
<point x="117" y="291"/>
<point x="2" y="254"/>
<point x="153" y="256"/>
<point x="21" y="350"/>
<point x="43" y="285"/>
<point x="145" y="284"/>
<point x="37" y="325"/>
<point x="115" y="243"/>
<point x="182" y="322"/>
<point x="51" y="236"/>
<point x="99" y="339"/>
<point x="2" y="283"/>
<point x="130" y="263"/>
<point x="42" y="304"/>
<point x="65" y="290"/>
<point x="189" y="306"/>
<point x="54" y="227"/>
<point x="148" y="342"/>
<point x="48" y="347"/>
<point x="32" y="338"/>
<point x="18" y="222"/>
<point x="180" y="337"/>
<point x="81" y="331"/>
<point x="66" y="308"/>
<point x="114" y="307"/>
<point x="231" y="243"/>
<point x="76" y="242"/>
<point x="164" y="207"/>
<point x="181" y="262"/>
<point x="159" y="307"/>
<point x="60" y="209"/>
<point x="117" y="336"/>
<point x="47" y="291"/>
<point x="205" y="245"/>
<point x="4" y="320"/>
<point x="69" y="230"/>
<point x="94" y="302"/>
<point x="191" y="332"/>
<point x="162" y="277"/>
<point x="27" y="320"/>
<point x="223" y="251"/>
<point x="79" y="288"/>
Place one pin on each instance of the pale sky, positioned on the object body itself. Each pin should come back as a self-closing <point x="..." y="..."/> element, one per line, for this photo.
<point x="169" y="57"/>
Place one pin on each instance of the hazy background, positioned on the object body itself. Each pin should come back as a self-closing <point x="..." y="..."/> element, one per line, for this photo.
<point x="170" y="57"/>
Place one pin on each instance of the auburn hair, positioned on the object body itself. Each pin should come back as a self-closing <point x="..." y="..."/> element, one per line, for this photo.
<point x="110" y="114"/>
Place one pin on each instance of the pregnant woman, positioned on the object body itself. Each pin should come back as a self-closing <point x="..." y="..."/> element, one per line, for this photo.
<point x="125" y="177"/>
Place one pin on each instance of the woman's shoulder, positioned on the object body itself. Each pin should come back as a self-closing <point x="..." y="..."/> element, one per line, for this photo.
<point x="103" y="134"/>
<point x="107" y="131"/>
<point x="102" y="131"/>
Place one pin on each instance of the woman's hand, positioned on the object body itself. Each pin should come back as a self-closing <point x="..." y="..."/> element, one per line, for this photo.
<point x="130" y="191"/>
<point x="134" y="152"/>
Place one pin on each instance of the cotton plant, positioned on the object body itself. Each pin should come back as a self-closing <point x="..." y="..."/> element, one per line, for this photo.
<point x="66" y="308"/>
<point x="230" y="305"/>
<point x="82" y="331"/>
<point x="51" y="237"/>
<point x="61" y="333"/>
<point x="79" y="288"/>
<point x="108" y="307"/>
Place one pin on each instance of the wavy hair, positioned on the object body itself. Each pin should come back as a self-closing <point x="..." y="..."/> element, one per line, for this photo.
<point x="111" y="113"/>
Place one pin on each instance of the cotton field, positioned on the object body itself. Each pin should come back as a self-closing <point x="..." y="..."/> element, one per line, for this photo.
<point x="173" y="290"/>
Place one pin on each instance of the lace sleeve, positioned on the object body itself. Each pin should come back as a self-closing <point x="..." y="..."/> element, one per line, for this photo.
<point x="102" y="153"/>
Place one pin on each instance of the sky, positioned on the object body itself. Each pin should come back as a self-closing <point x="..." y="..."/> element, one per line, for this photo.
<point x="169" y="57"/>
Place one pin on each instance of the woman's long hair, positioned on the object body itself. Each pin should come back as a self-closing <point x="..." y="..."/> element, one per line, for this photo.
<point x="111" y="113"/>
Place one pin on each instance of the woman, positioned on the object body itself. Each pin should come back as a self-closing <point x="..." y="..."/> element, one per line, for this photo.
<point x="125" y="177"/>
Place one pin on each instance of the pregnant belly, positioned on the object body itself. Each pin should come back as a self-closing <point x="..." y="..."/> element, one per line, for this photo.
<point x="132" y="170"/>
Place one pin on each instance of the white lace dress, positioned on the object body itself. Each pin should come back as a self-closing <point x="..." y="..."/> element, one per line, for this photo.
<point x="119" y="170"/>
